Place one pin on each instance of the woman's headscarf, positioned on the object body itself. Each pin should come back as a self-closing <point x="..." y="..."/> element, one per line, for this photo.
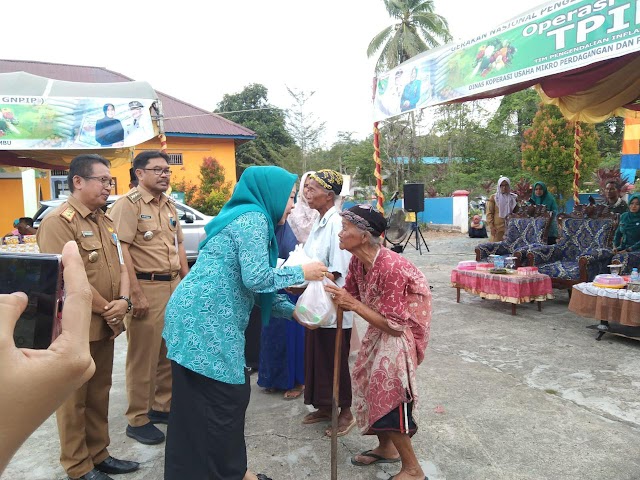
<point x="546" y="199"/>
<point x="302" y="217"/>
<point x="260" y="189"/>
<point x="630" y="224"/>
<point x="506" y="202"/>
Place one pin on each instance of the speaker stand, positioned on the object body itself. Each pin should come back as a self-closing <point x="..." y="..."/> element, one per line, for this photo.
<point x="416" y="230"/>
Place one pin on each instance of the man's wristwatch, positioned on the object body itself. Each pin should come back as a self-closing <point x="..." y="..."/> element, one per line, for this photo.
<point x="129" y="304"/>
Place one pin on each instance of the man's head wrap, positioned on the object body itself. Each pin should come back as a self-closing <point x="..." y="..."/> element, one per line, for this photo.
<point x="365" y="217"/>
<point x="328" y="179"/>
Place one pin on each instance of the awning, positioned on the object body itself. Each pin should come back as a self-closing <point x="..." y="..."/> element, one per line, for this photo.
<point x="44" y="123"/>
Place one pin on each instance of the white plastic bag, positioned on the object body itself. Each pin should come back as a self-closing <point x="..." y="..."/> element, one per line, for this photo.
<point x="296" y="258"/>
<point x="314" y="307"/>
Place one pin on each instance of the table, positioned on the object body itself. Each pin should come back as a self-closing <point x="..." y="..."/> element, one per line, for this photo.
<point x="510" y="288"/>
<point x="617" y="309"/>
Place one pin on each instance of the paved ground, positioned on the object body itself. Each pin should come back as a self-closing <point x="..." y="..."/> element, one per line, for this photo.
<point x="504" y="398"/>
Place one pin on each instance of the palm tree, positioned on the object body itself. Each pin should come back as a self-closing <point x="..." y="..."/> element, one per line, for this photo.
<point x="418" y="29"/>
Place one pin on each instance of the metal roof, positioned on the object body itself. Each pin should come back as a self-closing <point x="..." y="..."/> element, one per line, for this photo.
<point x="181" y="118"/>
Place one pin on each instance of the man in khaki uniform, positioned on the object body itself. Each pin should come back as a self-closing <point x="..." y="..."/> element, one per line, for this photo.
<point x="149" y="228"/>
<point x="83" y="419"/>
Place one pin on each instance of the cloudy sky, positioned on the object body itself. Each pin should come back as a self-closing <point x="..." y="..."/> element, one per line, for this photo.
<point x="198" y="51"/>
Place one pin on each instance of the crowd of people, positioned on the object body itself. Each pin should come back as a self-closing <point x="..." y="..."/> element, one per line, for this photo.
<point x="126" y="270"/>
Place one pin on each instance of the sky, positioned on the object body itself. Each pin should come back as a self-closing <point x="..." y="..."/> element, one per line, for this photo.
<point x="198" y="51"/>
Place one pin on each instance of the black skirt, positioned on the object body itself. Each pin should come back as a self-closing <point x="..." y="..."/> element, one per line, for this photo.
<point x="205" y="436"/>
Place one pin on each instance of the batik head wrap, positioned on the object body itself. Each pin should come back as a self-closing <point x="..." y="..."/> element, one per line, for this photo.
<point x="366" y="218"/>
<point x="329" y="180"/>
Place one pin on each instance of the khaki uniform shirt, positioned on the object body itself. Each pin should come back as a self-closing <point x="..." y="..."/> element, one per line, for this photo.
<point x="152" y="230"/>
<point x="96" y="237"/>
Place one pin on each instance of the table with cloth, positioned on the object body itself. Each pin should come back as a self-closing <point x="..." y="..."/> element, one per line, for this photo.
<point x="617" y="309"/>
<point x="510" y="288"/>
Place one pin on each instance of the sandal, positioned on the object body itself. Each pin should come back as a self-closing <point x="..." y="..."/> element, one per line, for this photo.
<point x="342" y="431"/>
<point x="378" y="459"/>
<point x="315" y="417"/>
<point x="294" y="393"/>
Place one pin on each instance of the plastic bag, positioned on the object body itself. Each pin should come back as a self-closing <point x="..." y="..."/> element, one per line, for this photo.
<point x="314" y="307"/>
<point x="296" y="258"/>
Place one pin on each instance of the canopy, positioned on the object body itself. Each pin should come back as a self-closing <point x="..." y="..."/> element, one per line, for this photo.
<point x="582" y="55"/>
<point x="44" y="123"/>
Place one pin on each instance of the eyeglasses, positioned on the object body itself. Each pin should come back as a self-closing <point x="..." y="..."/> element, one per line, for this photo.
<point x="105" y="181"/>
<point x="159" y="171"/>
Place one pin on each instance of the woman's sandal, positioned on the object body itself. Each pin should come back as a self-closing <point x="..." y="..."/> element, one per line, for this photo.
<point x="294" y="393"/>
<point x="370" y="454"/>
<point x="342" y="431"/>
<point x="315" y="417"/>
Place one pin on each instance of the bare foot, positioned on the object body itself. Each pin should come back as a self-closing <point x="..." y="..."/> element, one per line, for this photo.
<point x="317" y="416"/>
<point x="294" y="393"/>
<point x="405" y="475"/>
<point x="345" y="423"/>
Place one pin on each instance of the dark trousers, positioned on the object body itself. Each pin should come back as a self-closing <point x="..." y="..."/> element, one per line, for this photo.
<point x="319" y="350"/>
<point x="205" y="437"/>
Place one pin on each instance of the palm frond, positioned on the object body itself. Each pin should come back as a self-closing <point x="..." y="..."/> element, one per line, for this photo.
<point x="433" y="23"/>
<point x="378" y="40"/>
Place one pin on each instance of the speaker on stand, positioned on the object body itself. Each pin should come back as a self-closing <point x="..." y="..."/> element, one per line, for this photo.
<point x="414" y="202"/>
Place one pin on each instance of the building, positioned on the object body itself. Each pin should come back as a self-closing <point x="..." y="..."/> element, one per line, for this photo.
<point x="192" y="134"/>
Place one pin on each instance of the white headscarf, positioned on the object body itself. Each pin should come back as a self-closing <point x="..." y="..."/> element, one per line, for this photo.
<point x="506" y="202"/>
<point x="302" y="216"/>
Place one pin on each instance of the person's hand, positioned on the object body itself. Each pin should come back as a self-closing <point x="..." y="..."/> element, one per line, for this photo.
<point x="117" y="328"/>
<point x="314" y="270"/>
<point x="140" y="305"/>
<point x="115" y="311"/>
<point x="36" y="382"/>
<point x="342" y="298"/>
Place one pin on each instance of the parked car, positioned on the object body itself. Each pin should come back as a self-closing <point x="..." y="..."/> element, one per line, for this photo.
<point x="191" y="220"/>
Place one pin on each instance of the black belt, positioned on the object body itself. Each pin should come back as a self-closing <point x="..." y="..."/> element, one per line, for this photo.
<point x="160" y="277"/>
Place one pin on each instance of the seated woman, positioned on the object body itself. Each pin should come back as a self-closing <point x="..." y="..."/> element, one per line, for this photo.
<point x="393" y="296"/>
<point x="477" y="228"/>
<point x="541" y="196"/>
<point x="626" y="240"/>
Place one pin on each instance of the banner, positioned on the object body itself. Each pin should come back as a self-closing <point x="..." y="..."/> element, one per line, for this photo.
<point x="556" y="37"/>
<point x="46" y="123"/>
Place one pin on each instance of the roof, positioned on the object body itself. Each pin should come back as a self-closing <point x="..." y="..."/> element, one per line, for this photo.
<point x="181" y="118"/>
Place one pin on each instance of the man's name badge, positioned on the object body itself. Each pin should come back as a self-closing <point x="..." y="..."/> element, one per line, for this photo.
<point x="87" y="233"/>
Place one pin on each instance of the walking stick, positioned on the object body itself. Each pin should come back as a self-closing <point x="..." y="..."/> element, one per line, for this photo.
<point x="337" y="356"/>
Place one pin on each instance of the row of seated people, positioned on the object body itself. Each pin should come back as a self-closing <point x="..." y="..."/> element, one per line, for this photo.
<point x="590" y="238"/>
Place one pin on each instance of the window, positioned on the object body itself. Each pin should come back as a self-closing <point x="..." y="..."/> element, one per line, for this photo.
<point x="175" y="159"/>
<point x="59" y="173"/>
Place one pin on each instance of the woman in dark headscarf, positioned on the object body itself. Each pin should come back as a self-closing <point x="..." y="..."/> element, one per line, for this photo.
<point x="109" y="130"/>
<point x="542" y="196"/>
<point x="206" y="318"/>
<point x="627" y="236"/>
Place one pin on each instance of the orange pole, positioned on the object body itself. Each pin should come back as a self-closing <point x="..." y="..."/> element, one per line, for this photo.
<point x="577" y="160"/>
<point x="378" y="171"/>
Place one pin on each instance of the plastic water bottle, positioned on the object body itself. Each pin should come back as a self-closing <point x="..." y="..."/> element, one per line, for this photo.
<point x="635" y="276"/>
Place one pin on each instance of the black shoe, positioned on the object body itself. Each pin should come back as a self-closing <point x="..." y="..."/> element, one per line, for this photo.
<point x="262" y="476"/>
<point x="158" y="417"/>
<point x="93" y="475"/>
<point x="147" y="434"/>
<point x="115" y="466"/>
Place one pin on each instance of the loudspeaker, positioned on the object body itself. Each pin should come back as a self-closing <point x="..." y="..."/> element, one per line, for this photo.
<point x="414" y="197"/>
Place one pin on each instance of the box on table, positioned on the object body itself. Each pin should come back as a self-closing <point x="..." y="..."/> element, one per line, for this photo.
<point x="527" y="270"/>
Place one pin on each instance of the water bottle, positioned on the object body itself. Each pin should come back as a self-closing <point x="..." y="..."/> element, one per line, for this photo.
<point x="635" y="276"/>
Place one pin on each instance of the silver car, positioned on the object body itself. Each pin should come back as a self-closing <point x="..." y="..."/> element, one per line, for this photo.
<point x="191" y="220"/>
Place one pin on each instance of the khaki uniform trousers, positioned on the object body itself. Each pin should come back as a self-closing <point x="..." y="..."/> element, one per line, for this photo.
<point x="148" y="369"/>
<point x="82" y="419"/>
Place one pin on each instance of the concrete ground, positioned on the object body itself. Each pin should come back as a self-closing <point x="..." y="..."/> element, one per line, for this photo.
<point x="503" y="398"/>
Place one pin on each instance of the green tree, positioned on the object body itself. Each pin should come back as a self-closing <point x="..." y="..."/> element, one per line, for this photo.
<point x="610" y="133"/>
<point x="417" y="29"/>
<point x="304" y="127"/>
<point x="548" y="150"/>
<point x="251" y="108"/>
<point x="212" y="193"/>
<point x="515" y="113"/>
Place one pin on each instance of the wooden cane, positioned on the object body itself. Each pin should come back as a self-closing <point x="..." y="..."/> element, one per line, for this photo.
<point x="337" y="356"/>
